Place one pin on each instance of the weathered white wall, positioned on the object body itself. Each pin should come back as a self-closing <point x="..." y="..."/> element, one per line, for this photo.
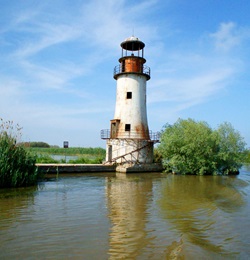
<point x="122" y="147"/>
<point x="131" y="111"/>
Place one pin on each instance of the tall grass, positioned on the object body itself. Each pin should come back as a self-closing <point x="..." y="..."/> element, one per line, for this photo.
<point x="84" y="160"/>
<point x="45" y="158"/>
<point x="69" y="151"/>
<point x="17" y="166"/>
<point x="85" y="155"/>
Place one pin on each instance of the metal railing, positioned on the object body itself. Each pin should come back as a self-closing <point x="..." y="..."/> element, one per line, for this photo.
<point x="119" y="69"/>
<point x="153" y="136"/>
<point x="105" y="134"/>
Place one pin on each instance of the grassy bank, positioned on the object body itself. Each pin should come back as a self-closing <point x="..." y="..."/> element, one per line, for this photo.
<point x="85" y="155"/>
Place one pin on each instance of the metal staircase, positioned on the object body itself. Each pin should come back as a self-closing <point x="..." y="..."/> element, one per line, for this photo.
<point x="133" y="160"/>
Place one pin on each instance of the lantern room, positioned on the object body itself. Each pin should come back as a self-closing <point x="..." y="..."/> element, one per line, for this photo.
<point x="132" y="60"/>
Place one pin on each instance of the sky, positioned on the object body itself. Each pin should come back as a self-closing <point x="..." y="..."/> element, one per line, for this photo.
<point x="57" y="60"/>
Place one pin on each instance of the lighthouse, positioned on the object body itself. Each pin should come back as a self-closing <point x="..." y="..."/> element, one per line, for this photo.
<point x="129" y="141"/>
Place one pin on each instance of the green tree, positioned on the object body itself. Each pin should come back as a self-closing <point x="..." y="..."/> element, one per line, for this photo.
<point x="39" y="144"/>
<point x="157" y="155"/>
<point x="231" y="148"/>
<point x="191" y="147"/>
<point x="247" y="157"/>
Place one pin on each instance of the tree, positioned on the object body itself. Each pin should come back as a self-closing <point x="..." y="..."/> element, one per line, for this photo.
<point x="231" y="148"/>
<point x="191" y="147"/>
<point x="247" y="157"/>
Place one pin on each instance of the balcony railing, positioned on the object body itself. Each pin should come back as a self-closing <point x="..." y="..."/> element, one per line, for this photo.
<point x="154" y="136"/>
<point x="105" y="134"/>
<point x="119" y="69"/>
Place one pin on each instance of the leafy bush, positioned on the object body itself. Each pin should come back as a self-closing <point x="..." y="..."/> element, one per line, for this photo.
<point x="157" y="156"/>
<point x="17" y="166"/>
<point x="232" y="150"/>
<point x="39" y="144"/>
<point x="191" y="147"/>
<point x="35" y="144"/>
<point x="247" y="157"/>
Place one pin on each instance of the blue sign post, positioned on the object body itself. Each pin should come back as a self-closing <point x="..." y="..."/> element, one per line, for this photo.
<point x="65" y="145"/>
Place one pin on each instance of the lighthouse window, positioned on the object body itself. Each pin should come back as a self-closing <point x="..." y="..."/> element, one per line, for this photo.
<point x="127" y="127"/>
<point x="129" y="95"/>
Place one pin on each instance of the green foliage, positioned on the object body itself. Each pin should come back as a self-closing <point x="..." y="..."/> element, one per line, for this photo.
<point x="157" y="156"/>
<point x="45" y="158"/>
<point x="86" y="155"/>
<point x="247" y="156"/>
<point x="84" y="160"/>
<point x="191" y="147"/>
<point x="231" y="149"/>
<point x="69" y="151"/>
<point x="35" y="144"/>
<point x="39" y="144"/>
<point x="17" y="166"/>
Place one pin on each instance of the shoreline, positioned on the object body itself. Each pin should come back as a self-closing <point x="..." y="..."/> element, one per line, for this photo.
<point x="88" y="168"/>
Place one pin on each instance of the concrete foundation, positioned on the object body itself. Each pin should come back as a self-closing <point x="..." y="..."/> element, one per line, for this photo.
<point x="139" y="168"/>
<point x="88" y="168"/>
<point x="129" y="150"/>
<point x="74" y="168"/>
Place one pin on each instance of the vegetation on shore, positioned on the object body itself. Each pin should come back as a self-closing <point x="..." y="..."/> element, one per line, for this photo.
<point x="17" y="166"/>
<point x="85" y="155"/>
<point x="190" y="147"/>
<point x="247" y="157"/>
<point x="187" y="147"/>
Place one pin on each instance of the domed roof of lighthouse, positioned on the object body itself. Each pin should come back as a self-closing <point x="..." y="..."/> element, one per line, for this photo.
<point x="132" y="44"/>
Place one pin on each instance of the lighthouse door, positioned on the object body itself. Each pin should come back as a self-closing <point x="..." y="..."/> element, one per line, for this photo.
<point x="114" y="128"/>
<point x="110" y="153"/>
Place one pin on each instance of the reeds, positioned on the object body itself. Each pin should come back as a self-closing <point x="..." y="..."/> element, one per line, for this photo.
<point x="17" y="166"/>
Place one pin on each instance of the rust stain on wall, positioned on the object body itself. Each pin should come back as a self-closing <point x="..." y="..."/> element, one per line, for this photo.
<point x="142" y="131"/>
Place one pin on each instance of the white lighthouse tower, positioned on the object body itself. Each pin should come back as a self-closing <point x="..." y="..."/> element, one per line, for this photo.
<point x="129" y="141"/>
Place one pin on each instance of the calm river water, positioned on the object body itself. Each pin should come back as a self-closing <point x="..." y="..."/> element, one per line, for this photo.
<point x="117" y="216"/>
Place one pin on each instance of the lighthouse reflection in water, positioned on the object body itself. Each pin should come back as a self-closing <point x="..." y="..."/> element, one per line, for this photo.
<point x="127" y="203"/>
<point x="122" y="216"/>
<point x="178" y="217"/>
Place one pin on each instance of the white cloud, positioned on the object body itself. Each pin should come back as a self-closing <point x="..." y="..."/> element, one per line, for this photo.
<point x="228" y="36"/>
<point x="35" y="76"/>
<point x="190" y="91"/>
<point x="113" y="21"/>
<point x="187" y="78"/>
<point x="51" y="77"/>
<point x="45" y="36"/>
<point x="9" y="88"/>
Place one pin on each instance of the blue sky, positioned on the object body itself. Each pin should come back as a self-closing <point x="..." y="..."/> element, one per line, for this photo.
<point x="57" y="59"/>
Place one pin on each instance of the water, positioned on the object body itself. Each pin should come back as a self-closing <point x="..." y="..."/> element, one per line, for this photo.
<point x="67" y="158"/>
<point x="117" y="216"/>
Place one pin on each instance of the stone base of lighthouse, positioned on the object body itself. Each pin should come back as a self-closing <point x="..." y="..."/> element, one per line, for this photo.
<point x="129" y="151"/>
<point x="131" y="155"/>
<point x="139" y="168"/>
